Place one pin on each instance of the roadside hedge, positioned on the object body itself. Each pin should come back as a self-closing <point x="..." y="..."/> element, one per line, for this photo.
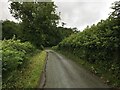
<point x="14" y="54"/>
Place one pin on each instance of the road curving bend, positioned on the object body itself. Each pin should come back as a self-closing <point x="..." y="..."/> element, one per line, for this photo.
<point x="64" y="73"/>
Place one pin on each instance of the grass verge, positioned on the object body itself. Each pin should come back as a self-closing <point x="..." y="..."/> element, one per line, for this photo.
<point x="28" y="76"/>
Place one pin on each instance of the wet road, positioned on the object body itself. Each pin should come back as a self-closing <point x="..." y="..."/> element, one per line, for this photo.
<point x="64" y="73"/>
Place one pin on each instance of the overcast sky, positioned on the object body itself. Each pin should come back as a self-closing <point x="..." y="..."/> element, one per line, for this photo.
<point x="75" y="13"/>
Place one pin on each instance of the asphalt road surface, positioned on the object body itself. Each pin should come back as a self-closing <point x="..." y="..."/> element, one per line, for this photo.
<point x="64" y="73"/>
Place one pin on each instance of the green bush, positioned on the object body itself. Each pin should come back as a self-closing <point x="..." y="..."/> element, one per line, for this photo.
<point x="14" y="54"/>
<point x="98" y="45"/>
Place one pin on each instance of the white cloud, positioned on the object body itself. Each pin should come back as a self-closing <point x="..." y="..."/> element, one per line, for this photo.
<point x="76" y="13"/>
<point x="3" y="1"/>
<point x="80" y="13"/>
<point x="5" y="12"/>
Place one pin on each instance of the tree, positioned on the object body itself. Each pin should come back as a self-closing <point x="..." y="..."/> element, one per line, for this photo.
<point x="63" y="24"/>
<point x="9" y="29"/>
<point x="116" y="8"/>
<point x="39" y="20"/>
<point x="115" y="17"/>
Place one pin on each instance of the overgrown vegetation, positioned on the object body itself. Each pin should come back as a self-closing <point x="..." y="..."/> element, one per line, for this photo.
<point x="37" y="28"/>
<point x="27" y="76"/>
<point x="38" y="23"/>
<point x="100" y="46"/>
<point x="15" y="54"/>
<point x="10" y="29"/>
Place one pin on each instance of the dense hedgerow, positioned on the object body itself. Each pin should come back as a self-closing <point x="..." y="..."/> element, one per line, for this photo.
<point x="98" y="45"/>
<point x="14" y="54"/>
<point x="94" y="43"/>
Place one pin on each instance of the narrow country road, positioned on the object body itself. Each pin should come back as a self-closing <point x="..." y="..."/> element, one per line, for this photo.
<point x="64" y="73"/>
